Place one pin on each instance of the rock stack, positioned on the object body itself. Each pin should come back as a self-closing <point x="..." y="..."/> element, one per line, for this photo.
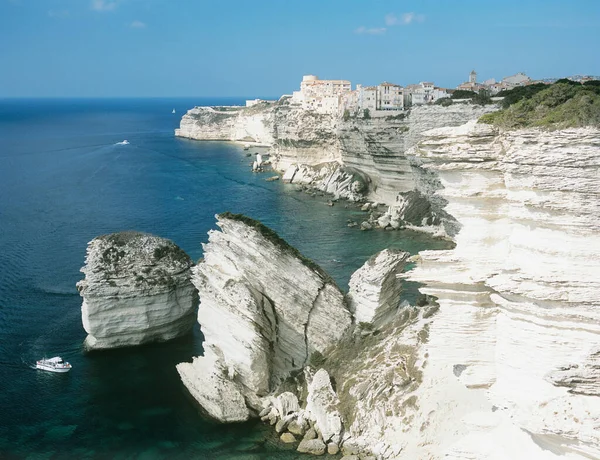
<point x="137" y="289"/>
<point x="265" y="309"/>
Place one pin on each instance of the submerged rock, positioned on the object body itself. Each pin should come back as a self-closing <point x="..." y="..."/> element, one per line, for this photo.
<point x="264" y="310"/>
<point x="137" y="289"/>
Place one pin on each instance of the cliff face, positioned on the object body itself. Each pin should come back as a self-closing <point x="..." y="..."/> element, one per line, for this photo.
<point x="512" y="353"/>
<point x="254" y="124"/>
<point x="264" y="310"/>
<point x="374" y="148"/>
<point x="137" y="289"/>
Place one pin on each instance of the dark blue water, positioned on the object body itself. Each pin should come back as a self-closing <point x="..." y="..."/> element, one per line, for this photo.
<point x="63" y="181"/>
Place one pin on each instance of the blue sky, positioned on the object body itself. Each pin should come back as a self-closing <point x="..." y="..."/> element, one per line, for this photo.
<point x="104" y="48"/>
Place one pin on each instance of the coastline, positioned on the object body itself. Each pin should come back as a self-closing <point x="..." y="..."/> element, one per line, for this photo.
<point x="449" y="166"/>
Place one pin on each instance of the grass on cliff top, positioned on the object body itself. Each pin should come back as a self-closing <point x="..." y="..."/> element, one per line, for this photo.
<point x="274" y="238"/>
<point x="564" y="104"/>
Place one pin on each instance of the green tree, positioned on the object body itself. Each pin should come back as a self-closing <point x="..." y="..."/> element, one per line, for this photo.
<point x="366" y="114"/>
<point x="482" y="98"/>
<point x="346" y="115"/>
<point x="462" y="94"/>
<point x="444" y="102"/>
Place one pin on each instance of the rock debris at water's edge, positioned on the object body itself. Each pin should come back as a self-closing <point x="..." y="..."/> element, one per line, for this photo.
<point x="136" y="290"/>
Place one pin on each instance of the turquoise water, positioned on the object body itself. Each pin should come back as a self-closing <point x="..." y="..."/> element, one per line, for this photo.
<point x="63" y="181"/>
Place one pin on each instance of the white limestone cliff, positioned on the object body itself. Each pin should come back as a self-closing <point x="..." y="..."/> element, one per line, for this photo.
<point x="348" y="158"/>
<point x="136" y="290"/>
<point x="264" y="311"/>
<point x="509" y="367"/>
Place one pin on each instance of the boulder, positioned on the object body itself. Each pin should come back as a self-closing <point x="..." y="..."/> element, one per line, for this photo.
<point x="312" y="446"/>
<point x="311" y="433"/>
<point x="296" y="427"/>
<point x="289" y="174"/>
<point x="321" y="406"/>
<point x="332" y="448"/>
<point x="287" y="438"/>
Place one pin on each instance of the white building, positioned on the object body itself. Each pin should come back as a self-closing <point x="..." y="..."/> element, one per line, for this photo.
<point x="251" y="102"/>
<point x="367" y="98"/>
<point x="389" y="96"/>
<point x="423" y="93"/>
<point x="519" y="79"/>
<point x="322" y="96"/>
<point x="473" y="77"/>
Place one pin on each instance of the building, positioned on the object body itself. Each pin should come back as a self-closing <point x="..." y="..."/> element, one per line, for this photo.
<point x="519" y="79"/>
<point x="472" y="84"/>
<point x="251" y="102"/>
<point x="321" y="96"/>
<point x="423" y="93"/>
<point x="389" y="96"/>
<point x="473" y="77"/>
<point x="379" y="100"/>
<point x="366" y="98"/>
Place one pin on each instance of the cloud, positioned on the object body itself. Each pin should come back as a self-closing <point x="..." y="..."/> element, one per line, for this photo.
<point x="137" y="24"/>
<point x="58" y="13"/>
<point x="370" y="31"/>
<point x="103" y="5"/>
<point x="405" y="19"/>
<point x="391" y="19"/>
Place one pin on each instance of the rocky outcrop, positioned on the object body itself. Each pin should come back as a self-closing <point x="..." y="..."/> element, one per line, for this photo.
<point x="136" y="290"/>
<point x="322" y="406"/>
<point x="252" y="124"/>
<point x="374" y="295"/>
<point x="264" y="311"/>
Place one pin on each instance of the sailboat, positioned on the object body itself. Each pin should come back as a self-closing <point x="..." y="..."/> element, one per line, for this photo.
<point x="173" y="111"/>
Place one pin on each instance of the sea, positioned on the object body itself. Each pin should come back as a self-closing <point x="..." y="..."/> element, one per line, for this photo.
<point x="65" y="178"/>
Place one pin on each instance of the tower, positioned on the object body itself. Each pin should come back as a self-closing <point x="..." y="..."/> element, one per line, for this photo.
<point x="473" y="77"/>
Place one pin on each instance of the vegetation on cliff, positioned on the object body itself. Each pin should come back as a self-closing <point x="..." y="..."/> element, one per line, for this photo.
<point x="564" y="104"/>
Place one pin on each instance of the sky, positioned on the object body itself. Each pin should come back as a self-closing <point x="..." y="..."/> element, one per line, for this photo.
<point x="261" y="48"/>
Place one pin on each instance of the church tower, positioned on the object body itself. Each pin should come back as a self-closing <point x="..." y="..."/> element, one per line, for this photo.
<point x="473" y="77"/>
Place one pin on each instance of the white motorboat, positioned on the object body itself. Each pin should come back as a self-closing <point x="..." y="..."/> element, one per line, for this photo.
<point x="55" y="364"/>
<point x="125" y="142"/>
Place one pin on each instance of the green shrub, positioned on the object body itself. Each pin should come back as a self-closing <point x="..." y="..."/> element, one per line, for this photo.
<point x="558" y="106"/>
<point x="489" y="118"/>
<point x="462" y="94"/>
<point x="444" y="102"/>
<point x="317" y="359"/>
<point x="346" y="115"/>
<point x="482" y="98"/>
<point x="519" y="93"/>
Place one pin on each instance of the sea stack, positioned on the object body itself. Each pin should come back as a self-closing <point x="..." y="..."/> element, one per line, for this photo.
<point x="265" y="309"/>
<point x="136" y="290"/>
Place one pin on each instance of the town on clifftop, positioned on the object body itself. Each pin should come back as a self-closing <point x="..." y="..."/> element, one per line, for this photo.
<point x="336" y="97"/>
